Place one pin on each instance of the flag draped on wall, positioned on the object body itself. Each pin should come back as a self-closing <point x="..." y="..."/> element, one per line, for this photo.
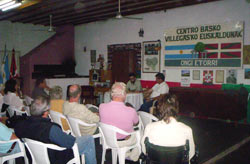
<point x="5" y="67"/>
<point x="13" y="68"/>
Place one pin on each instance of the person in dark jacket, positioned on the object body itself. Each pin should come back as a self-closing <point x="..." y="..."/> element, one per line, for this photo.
<point x="39" y="127"/>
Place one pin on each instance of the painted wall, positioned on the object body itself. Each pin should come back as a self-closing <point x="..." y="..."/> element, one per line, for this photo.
<point x="22" y="37"/>
<point x="96" y="36"/>
<point x="54" y="50"/>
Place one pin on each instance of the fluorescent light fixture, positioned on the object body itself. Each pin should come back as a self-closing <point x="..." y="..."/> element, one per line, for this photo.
<point x="7" y="4"/>
<point x="4" y="1"/>
<point x="12" y="7"/>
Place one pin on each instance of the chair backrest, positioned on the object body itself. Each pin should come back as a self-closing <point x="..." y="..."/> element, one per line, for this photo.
<point x="92" y="107"/>
<point x="160" y="154"/>
<point x="109" y="134"/>
<point x="57" y="118"/>
<point x="39" y="153"/>
<point x="147" y="118"/>
<point x="4" y="107"/>
<point x="6" y="157"/>
<point x="13" y="111"/>
<point x="28" y="100"/>
<point x="75" y="125"/>
<point x="2" y="114"/>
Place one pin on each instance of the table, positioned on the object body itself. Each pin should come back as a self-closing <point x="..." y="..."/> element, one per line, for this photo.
<point x="135" y="99"/>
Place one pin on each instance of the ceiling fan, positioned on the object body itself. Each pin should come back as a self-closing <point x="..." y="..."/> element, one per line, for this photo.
<point x="51" y="28"/>
<point x="120" y="16"/>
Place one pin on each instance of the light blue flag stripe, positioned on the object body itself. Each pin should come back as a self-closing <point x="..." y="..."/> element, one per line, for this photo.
<point x="179" y="47"/>
<point x="179" y="56"/>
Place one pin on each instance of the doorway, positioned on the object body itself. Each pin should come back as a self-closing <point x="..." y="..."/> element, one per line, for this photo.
<point x="123" y="62"/>
<point x="123" y="59"/>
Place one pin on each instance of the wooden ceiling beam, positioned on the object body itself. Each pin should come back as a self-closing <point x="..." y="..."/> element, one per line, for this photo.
<point x="58" y="9"/>
<point x="156" y="8"/>
<point x="112" y="5"/>
<point x="60" y="13"/>
<point x="27" y="10"/>
<point x="125" y="12"/>
<point x="112" y="11"/>
<point x="46" y="10"/>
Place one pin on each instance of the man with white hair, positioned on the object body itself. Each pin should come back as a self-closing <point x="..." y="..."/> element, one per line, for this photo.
<point x="117" y="114"/>
<point x="39" y="127"/>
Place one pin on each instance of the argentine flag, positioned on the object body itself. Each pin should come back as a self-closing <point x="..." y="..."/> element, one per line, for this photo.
<point x="5" y="67"/>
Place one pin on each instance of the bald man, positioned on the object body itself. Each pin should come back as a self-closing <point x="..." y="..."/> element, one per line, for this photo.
<point x="72" y="108"/>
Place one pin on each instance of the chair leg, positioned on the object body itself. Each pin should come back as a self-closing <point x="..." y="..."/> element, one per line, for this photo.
<point x="114" y="156"/>
<point x="103" y="155"/>
<point x="83" y="159"/>
<point x="11" y="161"/>
<point x="26" y="160"/>
<point x="121" y="156"/>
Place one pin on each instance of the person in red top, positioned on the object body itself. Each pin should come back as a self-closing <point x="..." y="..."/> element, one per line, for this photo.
<point x="117" y="114"/>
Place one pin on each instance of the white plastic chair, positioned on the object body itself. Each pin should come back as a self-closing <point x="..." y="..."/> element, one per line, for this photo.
<point x="146" y="118"/>
<point x="11" y="157"/>
<point x="3" y="114"/>
<point x="57" y="118"/>
<point x="92" y="106"/>
<point x="110" y="142"/>
<point x="75" y="126"/>
<point x="28" y="100"/>
<point x="39" y="153"/>
<point x="12" y="111"/>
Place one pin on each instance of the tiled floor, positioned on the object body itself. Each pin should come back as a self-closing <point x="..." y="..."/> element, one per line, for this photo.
<point x="212" y="137"/>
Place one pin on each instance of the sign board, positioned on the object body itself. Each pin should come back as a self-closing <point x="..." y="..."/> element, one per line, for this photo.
<point x="215" y="45"/>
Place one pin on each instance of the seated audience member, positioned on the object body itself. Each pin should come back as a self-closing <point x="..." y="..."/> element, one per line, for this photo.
<point x="170" y="99"/>
<point x="56" y="103"/>
<point x="72" y="108"/>
<point x="39" y="127"/>
<point x="6" y="135"/>
<point x="168" y="131"/>
<point x="159" y="89"/>
<point x="11" y="97"/>
<point x="133" y="84"/>
<point x="117" y="114"/>
<point x="40" y="87"/>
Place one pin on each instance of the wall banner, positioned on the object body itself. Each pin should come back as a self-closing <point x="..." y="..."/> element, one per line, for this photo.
<point x="216" y="45"/>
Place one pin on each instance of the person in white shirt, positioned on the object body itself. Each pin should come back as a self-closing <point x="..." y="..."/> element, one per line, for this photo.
<point x="168" y="131"/>
<point x="11" y="97"/>
<point x="155" y="93"/>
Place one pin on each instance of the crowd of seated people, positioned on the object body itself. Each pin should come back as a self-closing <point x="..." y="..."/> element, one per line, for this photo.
<point x="165" y="132"/>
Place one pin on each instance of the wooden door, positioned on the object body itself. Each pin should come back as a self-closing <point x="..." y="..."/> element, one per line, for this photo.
<point x="123" y="62"/>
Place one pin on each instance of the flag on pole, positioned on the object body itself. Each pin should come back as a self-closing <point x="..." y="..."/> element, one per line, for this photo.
<point x="13" y="68"/>
<point x="5" y="66"/>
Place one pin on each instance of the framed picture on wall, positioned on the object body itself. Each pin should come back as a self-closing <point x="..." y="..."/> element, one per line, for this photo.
<point x="247" y="73"/>
<point x="93" y="56"/>
<point x="219" y="76"/>
<point x="151" y="56"/>
<point x="208" y="77"/>
<point x="185" y="73"/>
<point x="231" y="76"/>
<point x="196" y="74"/>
